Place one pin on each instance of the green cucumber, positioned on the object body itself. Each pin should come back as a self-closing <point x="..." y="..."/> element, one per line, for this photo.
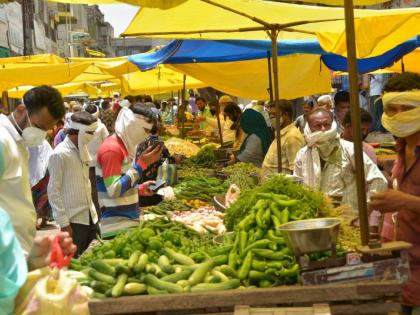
<point x="94" y="274"/>
<point x="154" y="291"/>
<point x="154" y="282"/>
<point x="165" y="265"/>
<point x="180" y="258"/>
<point x="134" y="257"/>
<point x="141" y="263"/>
<point x="103" y="267"/>
<point x="175" y="277"/>
<point x="228" y="271"/>
<point x="200" y="273"/>
<point x="221" y="286"/>
<point x="133" y="288"/>
<point x="118" y="288"/>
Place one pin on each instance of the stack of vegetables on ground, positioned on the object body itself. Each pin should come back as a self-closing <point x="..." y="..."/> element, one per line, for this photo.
<point x="200" y="187"/>
<point x="164" y="256"/>
<point x="159" y="257"/>
<point x="168" y="206"/>
<point x="202" y="220"/>
<point x="204" y="158"/>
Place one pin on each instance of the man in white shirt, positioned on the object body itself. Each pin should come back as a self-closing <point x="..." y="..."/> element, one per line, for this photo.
<point x="27" y="126"/>
<point x="327" y="163"/>
<point x="99" y="137"/>
<point x="69" y="189"/>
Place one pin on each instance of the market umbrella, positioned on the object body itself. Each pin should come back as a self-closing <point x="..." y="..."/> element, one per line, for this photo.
<point x="156" y="81"/>
<point x="165" y="4"/>
<point x="253" y="19"/>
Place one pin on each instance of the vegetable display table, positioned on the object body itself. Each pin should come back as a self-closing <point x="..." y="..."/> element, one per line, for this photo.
<point x="352" y="298"/>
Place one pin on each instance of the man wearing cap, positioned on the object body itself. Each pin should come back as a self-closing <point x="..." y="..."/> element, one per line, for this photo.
<point x="401" y="117"/>
<point x="69" y="188"/>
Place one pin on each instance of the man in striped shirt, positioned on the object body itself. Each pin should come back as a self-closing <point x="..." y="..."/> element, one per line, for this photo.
<point x="118" y="174"/>
<point x="69" y="189"/>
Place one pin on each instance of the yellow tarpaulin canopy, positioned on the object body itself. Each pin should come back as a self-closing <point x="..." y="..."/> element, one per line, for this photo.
<point x="30" y="74"/>
<point x="172" y="3"/>
<point x="376" y="30"/>
<point x="32" y="59"/>
<point x="410" y="62"/>
<point x="93" y="89"/>
<point x="300" y="75"/>
<point x="159" y="80"/>
<point x="94" y="53"/>
<point x="114" y="66"/>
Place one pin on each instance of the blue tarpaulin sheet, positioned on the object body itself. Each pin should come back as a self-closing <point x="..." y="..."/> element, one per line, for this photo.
<point x="205" y="51"/>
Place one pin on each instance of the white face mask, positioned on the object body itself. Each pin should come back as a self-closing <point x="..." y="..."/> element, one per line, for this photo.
<point x="32" y="136"/>
<point x="324" y="141"/>
<point x="131" y="129"/>
<point x="83" y="140"/>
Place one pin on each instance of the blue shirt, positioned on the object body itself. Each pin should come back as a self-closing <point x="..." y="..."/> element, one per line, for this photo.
<point x="13" y="268"/>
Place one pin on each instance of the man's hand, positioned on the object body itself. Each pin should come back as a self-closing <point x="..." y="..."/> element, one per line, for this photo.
<point x="200" y="119"/>
<point x="150" y="155"/>
<point x="390" y="201"/>
<point x="40" y="254"/>
<point x="145" y="189"/>
<point x="177" y="158"/>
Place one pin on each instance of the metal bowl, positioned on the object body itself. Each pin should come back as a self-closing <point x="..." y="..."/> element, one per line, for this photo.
<point x="313" y="235"/>
<point x="219" y="203"/>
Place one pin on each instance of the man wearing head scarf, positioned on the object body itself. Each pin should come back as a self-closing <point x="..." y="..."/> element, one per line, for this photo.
<point x="69" y="188"/>
<point x="118" y="173"/>
<point x="401" y="100"/>
<point x="327" y="162"/>
<point x="255" y="146"/>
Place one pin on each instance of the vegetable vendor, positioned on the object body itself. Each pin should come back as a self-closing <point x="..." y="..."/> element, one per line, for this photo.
<point x="255" y="146"/>
<point x="291" y="142"/>
<point x="327" y="164"/>
<point x="116" y="174"/>
<point x="401" y="101"/>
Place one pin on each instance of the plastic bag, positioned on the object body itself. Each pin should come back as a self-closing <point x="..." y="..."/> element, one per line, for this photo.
<point x="49" y="291"/>
<point x="167" y="172"/>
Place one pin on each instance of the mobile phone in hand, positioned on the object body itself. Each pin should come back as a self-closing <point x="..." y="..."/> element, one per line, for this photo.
<point x="157" y="185"/>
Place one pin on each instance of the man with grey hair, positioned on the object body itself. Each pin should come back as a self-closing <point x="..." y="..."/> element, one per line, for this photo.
<point x="327" y="162"/>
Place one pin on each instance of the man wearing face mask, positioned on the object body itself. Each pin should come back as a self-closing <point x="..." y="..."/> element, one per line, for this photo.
<point x="69" y="188"/>
<point x="401" y="117"/>
<point x="118" y="173"/>
<point x="26" y="127"/>
<point x="366" y="122"/>
<point x="291" y="142"/>
<point x="327" y="163"/>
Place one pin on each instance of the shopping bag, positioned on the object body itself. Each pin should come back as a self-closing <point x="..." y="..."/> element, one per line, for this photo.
<point x="167" y="172"/>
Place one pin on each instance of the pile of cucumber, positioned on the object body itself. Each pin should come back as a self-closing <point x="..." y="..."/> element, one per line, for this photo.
<point x="173" y="273"/>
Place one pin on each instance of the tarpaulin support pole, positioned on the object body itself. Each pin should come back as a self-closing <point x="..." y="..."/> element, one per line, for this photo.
<point x="270" y="79"/>
<point x="355" y="120"/>
<point x="183" y="106"/>
<point x="219" y="127"/>
<point x="273" y="35"/>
